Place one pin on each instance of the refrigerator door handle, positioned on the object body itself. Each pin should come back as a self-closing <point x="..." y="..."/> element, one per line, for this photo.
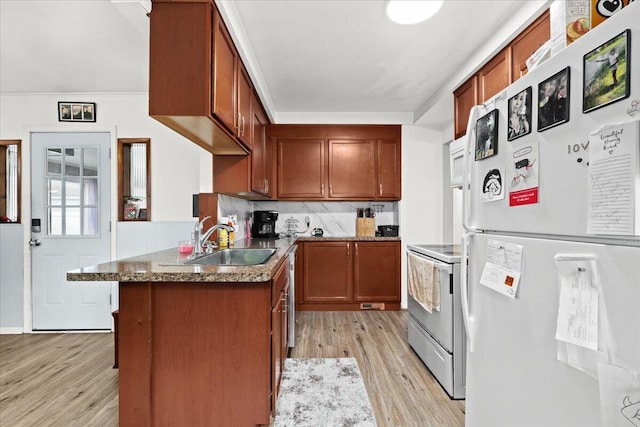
<point x="466" y="166"/>
<point x="469" y="323"/>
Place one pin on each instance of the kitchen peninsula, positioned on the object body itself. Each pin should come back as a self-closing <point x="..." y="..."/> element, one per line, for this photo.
<point x="201" y="344"/>
<point x="195" y="341"/>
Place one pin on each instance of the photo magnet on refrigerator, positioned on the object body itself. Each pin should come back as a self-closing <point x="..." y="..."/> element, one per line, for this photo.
<point x="493" y="185"/>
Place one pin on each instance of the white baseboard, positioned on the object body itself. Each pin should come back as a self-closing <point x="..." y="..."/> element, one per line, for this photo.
<point x="10" y="331"/>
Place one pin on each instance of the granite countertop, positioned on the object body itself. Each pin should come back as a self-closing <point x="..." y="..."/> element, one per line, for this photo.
<point x="168" y="265"/>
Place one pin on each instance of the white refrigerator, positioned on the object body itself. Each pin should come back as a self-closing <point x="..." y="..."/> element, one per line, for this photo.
<point x="551" y="301"/>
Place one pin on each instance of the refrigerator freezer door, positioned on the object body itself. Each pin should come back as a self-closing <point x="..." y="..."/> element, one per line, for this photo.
<point x="514" y="377"/>
<point x="562" y="164"/>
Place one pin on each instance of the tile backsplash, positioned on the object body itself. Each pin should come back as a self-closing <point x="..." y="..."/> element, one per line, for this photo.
<point x="335" y="218"/>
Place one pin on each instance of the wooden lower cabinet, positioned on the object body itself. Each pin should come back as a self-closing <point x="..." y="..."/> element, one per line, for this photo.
<point x="376" y="271"/>
<point x="343" y="275"/>
<point x="327" y="272"/>
<point x="200" y="353"/>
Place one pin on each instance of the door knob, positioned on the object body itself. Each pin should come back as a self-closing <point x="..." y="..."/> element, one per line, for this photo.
<point x="34" y="242"/>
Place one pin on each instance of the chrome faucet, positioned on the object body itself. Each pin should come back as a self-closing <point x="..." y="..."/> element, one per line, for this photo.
<point x="201" y="238"/>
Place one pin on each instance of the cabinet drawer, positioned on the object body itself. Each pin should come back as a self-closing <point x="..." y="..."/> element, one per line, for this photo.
<point x="280" y="279"/>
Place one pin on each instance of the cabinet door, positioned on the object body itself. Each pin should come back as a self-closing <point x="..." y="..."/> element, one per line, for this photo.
<point x="245" y="95"/>
<point x="260" y="158"/>
<point x="224" y="75"/>
<point x="376" y="271"/>
<point x="465" y="97"/>
<point x="327" y="272"/>
<point x="352" y="169"/>
<point x="527" y="43"/>
<point x="389" y="169"/>
<point x="276" y="352"/>
<point x="495" y="75"/>
<point x="301" y="168"/>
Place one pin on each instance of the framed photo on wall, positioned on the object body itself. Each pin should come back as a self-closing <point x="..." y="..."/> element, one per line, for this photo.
<point x="76" y="111"/>
<point x="487" y="135"/>
<point x="553" y="100"/>
<point x="519" y="114"/>
<point x="607" y="73"/>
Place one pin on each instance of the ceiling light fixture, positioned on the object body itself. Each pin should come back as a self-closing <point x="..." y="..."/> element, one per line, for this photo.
<point x="409" y="12"/>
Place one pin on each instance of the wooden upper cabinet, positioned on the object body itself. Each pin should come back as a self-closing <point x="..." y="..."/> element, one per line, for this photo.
<point x="376" y="271"/>
<point x="337" y="162"/>
<point x="192" y="74"/>
<point x="465" y="97"/>
<point x="499" y="72"/>
<point x="352" y="168"/>
<point x="527" y="43"/>
<point x="495" y="75"/>
<point x="301" y="168"/>
<point x="389" y="170"/>
<point x="260" y="153"/>
<point x="225" y="74"/>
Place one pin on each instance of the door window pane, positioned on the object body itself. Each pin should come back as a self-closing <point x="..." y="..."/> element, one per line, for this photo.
<point x="72" y="221"/>
<point x="72" y="191"/>
<point x="72" y="161"/>
<point x="55" y="222"/>
<point x="90" y="225"/>
<point x="54" y="191"/>
<point x="90" y="162"/>
<point x="54" y="161"/>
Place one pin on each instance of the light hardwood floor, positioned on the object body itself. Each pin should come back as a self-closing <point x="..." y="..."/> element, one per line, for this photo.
<point x="68" y="380"/>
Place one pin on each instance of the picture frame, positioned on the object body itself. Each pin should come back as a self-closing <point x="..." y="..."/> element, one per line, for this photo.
<point x="519" y="114"/>
<point x="142" y="213"/>
<point x="606" y="73"/>
<point x="76" y="111"/>
<point x="554" y="100"/>
<point x="487" y="135"/>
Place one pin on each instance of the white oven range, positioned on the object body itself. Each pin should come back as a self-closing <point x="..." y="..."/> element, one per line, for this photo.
<point x="439" y="337"/>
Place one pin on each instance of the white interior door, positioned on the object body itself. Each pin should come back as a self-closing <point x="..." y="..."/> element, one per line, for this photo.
<point x="70" y="178"/>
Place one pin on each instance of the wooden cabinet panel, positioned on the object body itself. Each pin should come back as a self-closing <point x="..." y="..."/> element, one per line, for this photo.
<point x="337" y="162"/>
<point x="527" y="43"/>
<point x="327" y="272"/>
<point x="301" y="168"/>
<point x="503" y="69"/>
<point x="376" y="267"/>
<point x="260" y="154"/>
<point x="185" y="358"/>
<point x="465" y="97"/>
<point x="389" y="169"/>
<point x="352" y="168"/>
<point x="495" y="75"/>
<point x="245" y="96"/>
<point x="224" y="75"/>
<point x="183" y="60"/>
<point x="340" y="275"/>
<point x="276" y="351"/>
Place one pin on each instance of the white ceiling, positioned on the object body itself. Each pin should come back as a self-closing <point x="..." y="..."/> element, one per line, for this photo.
<point x="309" y="56"/>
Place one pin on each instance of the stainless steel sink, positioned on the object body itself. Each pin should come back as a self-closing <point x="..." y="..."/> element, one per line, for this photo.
<point x="234" y="257"/>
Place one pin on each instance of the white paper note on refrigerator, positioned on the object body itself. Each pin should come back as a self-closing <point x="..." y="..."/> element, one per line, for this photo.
<point x="503" y="267"/>
<point x="578" y="302"/>
<point x="613" y="175"/>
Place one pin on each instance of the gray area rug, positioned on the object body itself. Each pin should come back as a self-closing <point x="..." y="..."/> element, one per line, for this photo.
<point x="323" y="392"/>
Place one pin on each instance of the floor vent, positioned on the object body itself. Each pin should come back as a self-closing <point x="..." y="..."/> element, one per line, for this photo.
<point x="372" y="306"/>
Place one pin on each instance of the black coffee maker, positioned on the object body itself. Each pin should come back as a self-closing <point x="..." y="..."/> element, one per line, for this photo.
<point x="264" y="225"/>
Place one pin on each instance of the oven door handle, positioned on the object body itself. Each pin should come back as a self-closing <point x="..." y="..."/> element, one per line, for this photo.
<point x="443" y="267"/>
<point x="439" y="265"/>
